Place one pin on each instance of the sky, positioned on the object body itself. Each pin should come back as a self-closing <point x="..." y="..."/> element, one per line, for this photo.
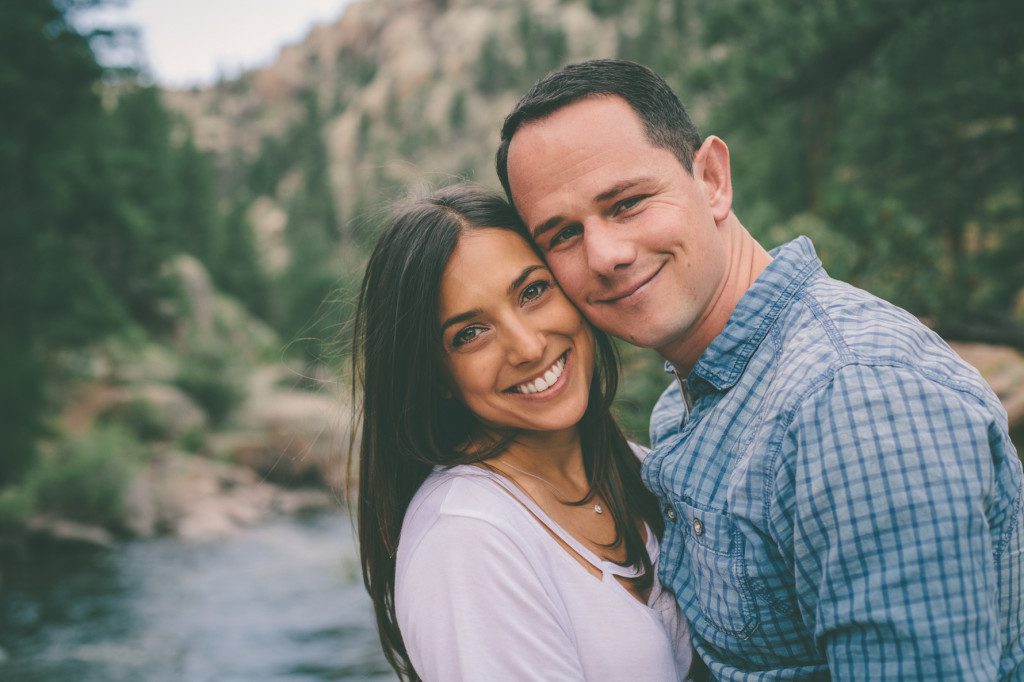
<point x="195" y="42"/>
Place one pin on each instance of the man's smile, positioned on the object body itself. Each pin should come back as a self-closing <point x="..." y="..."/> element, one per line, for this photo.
<point x="632" y="293"/>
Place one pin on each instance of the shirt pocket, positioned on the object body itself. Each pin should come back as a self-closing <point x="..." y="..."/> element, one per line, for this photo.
<point x="714" y="549"/>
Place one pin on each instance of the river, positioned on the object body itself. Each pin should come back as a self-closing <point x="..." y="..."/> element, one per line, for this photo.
<point x="282" y="601"/>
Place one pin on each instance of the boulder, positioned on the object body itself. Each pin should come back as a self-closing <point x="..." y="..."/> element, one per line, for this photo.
<point x="69" y="532"/>
<point x="151" y="411"/>
<point x="292" y="438"/>
<point x="1003" y="369"/>
<point x="208" y="321"/>
<point x="200" y="499"/>
<point x="177" y="410"/>
<point x="289" y="436"/>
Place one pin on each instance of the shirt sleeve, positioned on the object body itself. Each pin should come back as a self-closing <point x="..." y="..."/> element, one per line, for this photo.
<point x="471" y="606"/>
<point x="891" y="474"/>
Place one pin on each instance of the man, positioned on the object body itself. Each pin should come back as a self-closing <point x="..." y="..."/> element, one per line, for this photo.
<point x="840" y="492"/>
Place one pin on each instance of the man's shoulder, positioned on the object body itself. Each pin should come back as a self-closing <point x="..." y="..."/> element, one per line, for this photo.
<point x="832" y="327"/>
<point x="868" y="334"/>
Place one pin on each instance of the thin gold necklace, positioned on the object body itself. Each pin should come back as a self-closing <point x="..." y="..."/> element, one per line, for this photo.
<point x="562" y="497"/>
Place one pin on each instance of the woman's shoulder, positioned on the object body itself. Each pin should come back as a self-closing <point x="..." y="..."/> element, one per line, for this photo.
<point x="462" y="495"/>
<point x="461" y="490"/>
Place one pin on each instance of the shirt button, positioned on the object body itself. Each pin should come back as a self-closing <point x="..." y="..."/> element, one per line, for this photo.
<point x="698" y="526"/>
<point x="670" y="513"/>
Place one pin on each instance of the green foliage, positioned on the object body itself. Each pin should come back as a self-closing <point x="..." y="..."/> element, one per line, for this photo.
<point x="197" y="218"/>
<point x="235" y="263"/>
<point x="87" y="477"/>
<point x="363" y="134"/>
<point x="139" y="418"/>
<point x="64" y="239"/>
<point x="15" y="508"/>
<point x="357" y="67"/>
<point x="192" y="441"/>
<point x="604" y="8"/>
<point x="899" y="125"/>
<point x="23" y="402"/>
<point x="269" y="167"/>
<point x="642" y="380"/>
<point x="545" y="46"/>
<point x="494" y="72"/>
<point x="457" y="112"/>
<point x="312" y="233"/>
<point x="210" y="377"/>
<point x="658" y="41"/>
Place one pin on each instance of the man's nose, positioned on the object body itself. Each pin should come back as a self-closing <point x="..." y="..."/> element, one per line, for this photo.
<point x="607" y="248"/>
<point x="524" y="343"/>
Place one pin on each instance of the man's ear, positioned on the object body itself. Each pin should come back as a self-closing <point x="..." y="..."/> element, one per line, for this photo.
<point x="711" y="170"/>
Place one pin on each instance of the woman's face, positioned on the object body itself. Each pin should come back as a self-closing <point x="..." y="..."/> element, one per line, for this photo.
<point x="519" y="354"/>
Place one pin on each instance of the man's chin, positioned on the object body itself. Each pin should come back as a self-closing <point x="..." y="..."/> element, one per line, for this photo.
<point x="631" y="328"/>
<point x="633" y="338"/>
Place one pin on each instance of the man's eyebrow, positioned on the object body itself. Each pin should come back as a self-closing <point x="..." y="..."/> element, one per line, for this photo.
<point x="621" y="187"/>
<point x="548" y="224"/>
<point x="609" y="193"/>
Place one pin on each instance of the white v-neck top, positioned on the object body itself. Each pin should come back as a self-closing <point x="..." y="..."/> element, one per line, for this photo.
<point x="484" y="592"/>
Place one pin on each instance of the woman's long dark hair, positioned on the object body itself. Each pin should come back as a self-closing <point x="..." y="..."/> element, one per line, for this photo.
<point x="409" y="426"/>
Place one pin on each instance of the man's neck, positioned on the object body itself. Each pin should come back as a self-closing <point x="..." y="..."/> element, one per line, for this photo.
<point x="747" y="259"/>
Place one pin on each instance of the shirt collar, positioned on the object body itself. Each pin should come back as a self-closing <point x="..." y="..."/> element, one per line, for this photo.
<point x="722" y="363"/>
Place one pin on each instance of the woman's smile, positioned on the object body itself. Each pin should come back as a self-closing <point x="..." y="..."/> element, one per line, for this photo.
<point x="548" y="383"/>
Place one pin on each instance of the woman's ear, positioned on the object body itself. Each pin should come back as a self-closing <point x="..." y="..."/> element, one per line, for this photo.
<point x="711" y="169"/>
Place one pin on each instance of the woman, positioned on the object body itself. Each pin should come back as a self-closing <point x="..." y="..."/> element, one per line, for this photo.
<point x="504" y="530"/>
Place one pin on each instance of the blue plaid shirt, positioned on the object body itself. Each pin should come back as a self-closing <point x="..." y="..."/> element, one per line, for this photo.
<point x="841" y="495"/>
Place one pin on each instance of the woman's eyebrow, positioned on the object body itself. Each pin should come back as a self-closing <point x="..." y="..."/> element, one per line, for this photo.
<point x="461" y="317"/>
<point x="476" y="312"/>
<point x="527" y="271"/>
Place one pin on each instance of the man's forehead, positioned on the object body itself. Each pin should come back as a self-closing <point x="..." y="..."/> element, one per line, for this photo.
<point x="572" y="153"/>
<point x="576" y="122"/>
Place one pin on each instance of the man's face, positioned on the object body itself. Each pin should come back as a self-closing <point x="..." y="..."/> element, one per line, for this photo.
<point x="631" y="236"/>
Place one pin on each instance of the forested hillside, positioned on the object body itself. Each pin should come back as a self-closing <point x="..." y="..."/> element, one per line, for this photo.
<point x="891" y="133"/>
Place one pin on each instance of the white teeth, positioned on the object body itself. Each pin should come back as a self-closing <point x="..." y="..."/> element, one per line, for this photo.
<point x="546" y="381"/>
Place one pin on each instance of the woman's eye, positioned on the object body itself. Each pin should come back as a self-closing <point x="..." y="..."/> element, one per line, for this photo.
<point x="564" y="235"/>
<point x="535" y="290"/>
<point x="464" y="336"/>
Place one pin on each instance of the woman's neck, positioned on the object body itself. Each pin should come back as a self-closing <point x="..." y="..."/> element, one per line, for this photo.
<point x="555" y="456"/>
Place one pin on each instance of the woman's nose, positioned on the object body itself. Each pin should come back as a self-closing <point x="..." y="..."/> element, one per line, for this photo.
<point x="524" y="343"/>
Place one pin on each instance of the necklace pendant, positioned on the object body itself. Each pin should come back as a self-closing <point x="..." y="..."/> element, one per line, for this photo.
<point x="598" y="509"/>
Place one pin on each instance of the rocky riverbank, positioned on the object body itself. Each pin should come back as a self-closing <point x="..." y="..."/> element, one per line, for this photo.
<point x="190" y="497"/>
<point x="194" y="434"/>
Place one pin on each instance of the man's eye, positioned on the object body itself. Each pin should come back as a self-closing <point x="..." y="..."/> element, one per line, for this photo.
<point x="629" y="203"/>
<point x="565" y="234"/>
<point x="535" y="290"/>
<point x="464" y="336"/>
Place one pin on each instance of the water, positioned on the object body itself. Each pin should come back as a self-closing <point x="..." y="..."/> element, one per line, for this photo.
<point x="282" y="601"/>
